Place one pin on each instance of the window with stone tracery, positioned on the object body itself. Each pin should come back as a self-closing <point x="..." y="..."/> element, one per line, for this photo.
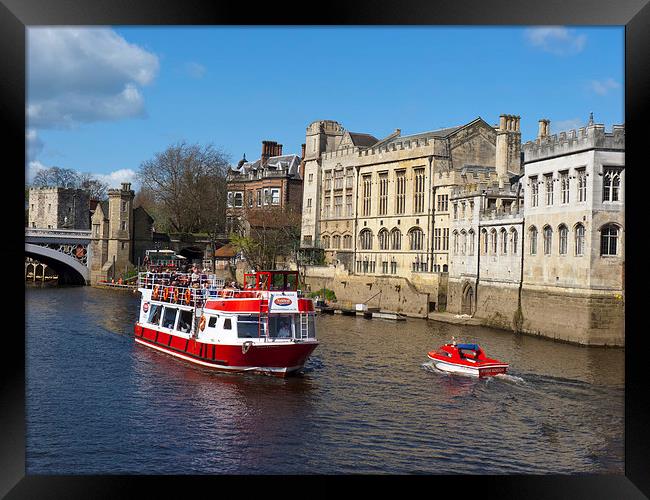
<point x="581" y="174"/>
<point x="548" y="240"/>
<point x="416" y="238"/>
<point x="611" y="184"/>
<point x="534" y="191"/>
<point x="548" y="183"/>
<point x="532" y="232"/>
<point x="564" y="236"/>
<point x="383" y="239"/>
<point x="396" y="237"/>
<point x="365" y="239"/>
<point x="383" y="193"/>
<point x="367" y="194"/>
<point x="400" y="191"/>
<point x="580" y="239"/>
<point x="418" y="196"/>
<point x="609" y="240"/>
<point x="564" y="186"/>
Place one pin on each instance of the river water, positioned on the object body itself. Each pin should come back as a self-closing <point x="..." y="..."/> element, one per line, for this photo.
<point x="368" y="402"/>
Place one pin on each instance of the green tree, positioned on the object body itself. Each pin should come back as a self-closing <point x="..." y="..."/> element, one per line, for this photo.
<point x="267" y="236"/>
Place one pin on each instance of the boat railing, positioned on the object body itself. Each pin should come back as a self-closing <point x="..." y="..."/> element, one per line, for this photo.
<point x="149" y="280"/>
<point x="181" y="288"/>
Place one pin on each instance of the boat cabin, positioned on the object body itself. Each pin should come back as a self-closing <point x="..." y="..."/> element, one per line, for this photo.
<point x="277" y="281"/>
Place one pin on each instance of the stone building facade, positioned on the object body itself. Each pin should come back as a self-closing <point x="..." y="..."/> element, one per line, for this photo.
<point x="565" y="277"/>
<point x="58" y="208"/>
<point x="112" y="235"/>
<point x="381" y="207"/>
<point x="486" y="230"/>
<point x="272" y="181"/>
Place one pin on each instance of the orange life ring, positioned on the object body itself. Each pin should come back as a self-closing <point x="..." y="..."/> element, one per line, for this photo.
<point x="166" y="294"/>
<point x="156" y="292"/>
<point x="188" y="298"/>
<point x="176" y="295"/>
<point x="202" y="323"/>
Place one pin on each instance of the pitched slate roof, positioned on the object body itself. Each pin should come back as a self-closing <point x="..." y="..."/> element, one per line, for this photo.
<point x="363" y="140"/>
<point x="290" y="163"/>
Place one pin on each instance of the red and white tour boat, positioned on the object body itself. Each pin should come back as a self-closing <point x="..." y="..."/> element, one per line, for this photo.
<point x="468" y="359"/>
<point x="266" y="327"/>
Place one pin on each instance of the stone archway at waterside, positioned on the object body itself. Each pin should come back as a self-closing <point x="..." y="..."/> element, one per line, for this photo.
<point x="467" y="300"/>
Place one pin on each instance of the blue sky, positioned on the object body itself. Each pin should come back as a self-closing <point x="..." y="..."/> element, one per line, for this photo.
<point x="103" y="100"/>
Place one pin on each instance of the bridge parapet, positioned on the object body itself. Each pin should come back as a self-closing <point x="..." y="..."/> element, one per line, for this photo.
<point x="34" y="232"/>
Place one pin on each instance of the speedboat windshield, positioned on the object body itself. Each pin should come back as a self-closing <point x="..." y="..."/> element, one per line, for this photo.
<point x="469" y="347"/>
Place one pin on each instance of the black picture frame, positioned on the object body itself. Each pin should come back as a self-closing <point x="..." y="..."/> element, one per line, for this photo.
<point x="17" y="15"/>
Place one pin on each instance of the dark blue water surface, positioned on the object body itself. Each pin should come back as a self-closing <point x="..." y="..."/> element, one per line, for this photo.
<point x="368" y="402"/>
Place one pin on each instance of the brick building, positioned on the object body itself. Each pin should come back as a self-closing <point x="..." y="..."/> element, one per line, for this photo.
<point x="273" y="180"/>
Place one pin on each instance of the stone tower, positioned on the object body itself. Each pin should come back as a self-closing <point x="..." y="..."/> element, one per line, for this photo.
<point x="322" y="136"/>
<point x="508" y="147"/>
<point x="120" y="226"/>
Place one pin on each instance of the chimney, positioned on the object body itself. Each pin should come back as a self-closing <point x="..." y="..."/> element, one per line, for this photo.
<point x="507" y="147"/>
<point x="266" y="152"/>
<point x="126" y="186"/>
<point x="302" y="151"/>
<point x="544" y="128"/>
<point x="278" y="149"/>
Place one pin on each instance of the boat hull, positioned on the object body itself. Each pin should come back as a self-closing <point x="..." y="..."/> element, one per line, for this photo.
<point x="475" y="370"/>
<point x="279" y="359"/>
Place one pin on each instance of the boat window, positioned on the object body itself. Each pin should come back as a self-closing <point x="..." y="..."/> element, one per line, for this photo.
<point x="184" y="321"/>
<point x="278" y="282"/>
<point x="169" y="317"/>
<point x="227" y="324"/>
<point x="311" y="322"/>
<point x="212" y="322"/>
<point x="154" y="314"/>
<point x="280" y="326"/>
<point x="292" y="282"/>
<point x="247" y="326"/>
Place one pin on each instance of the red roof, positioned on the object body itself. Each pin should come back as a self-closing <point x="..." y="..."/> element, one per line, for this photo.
<point x="226" y="251"/>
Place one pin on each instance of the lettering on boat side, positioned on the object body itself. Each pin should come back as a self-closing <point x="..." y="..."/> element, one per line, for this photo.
<point x="282" y="301"/>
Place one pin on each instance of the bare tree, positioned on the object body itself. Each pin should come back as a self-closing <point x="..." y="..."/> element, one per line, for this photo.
<point x="69" y="178"/>
<point x="96" y="189"/>
<point x="56" y="177"/>
<point x="187" y="185"/>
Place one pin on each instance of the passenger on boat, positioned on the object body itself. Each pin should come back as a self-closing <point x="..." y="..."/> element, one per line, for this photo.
<point x="284" y="329"/>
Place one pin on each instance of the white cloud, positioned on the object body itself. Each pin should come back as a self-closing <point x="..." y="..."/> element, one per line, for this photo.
<point x="115" y="178"/>
<point x="34" y="144"/>
<point x="112" y="179"/>
<point x="602" y="87"/>
<point x="556" y="39"/>
<point x="81" y="75"/>
<point x="195" y="70"/>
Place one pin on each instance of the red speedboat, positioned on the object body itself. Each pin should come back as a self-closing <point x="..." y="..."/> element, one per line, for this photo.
<point x="468" y="359"/>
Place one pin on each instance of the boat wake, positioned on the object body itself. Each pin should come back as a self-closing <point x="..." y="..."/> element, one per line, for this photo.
<point x="509" y="378"/>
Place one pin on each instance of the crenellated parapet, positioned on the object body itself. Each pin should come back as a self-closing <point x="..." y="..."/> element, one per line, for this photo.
<point x="584" y="138"/>
<point x="394" y="146"/>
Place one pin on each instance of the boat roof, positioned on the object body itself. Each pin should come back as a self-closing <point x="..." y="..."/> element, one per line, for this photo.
<point x="473" y="347"/>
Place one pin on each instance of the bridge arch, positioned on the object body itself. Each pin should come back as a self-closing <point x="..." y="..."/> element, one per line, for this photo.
<point x="76" y="272"/>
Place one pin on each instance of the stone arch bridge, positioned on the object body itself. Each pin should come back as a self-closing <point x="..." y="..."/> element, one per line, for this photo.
<point x="67" y="251"/>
